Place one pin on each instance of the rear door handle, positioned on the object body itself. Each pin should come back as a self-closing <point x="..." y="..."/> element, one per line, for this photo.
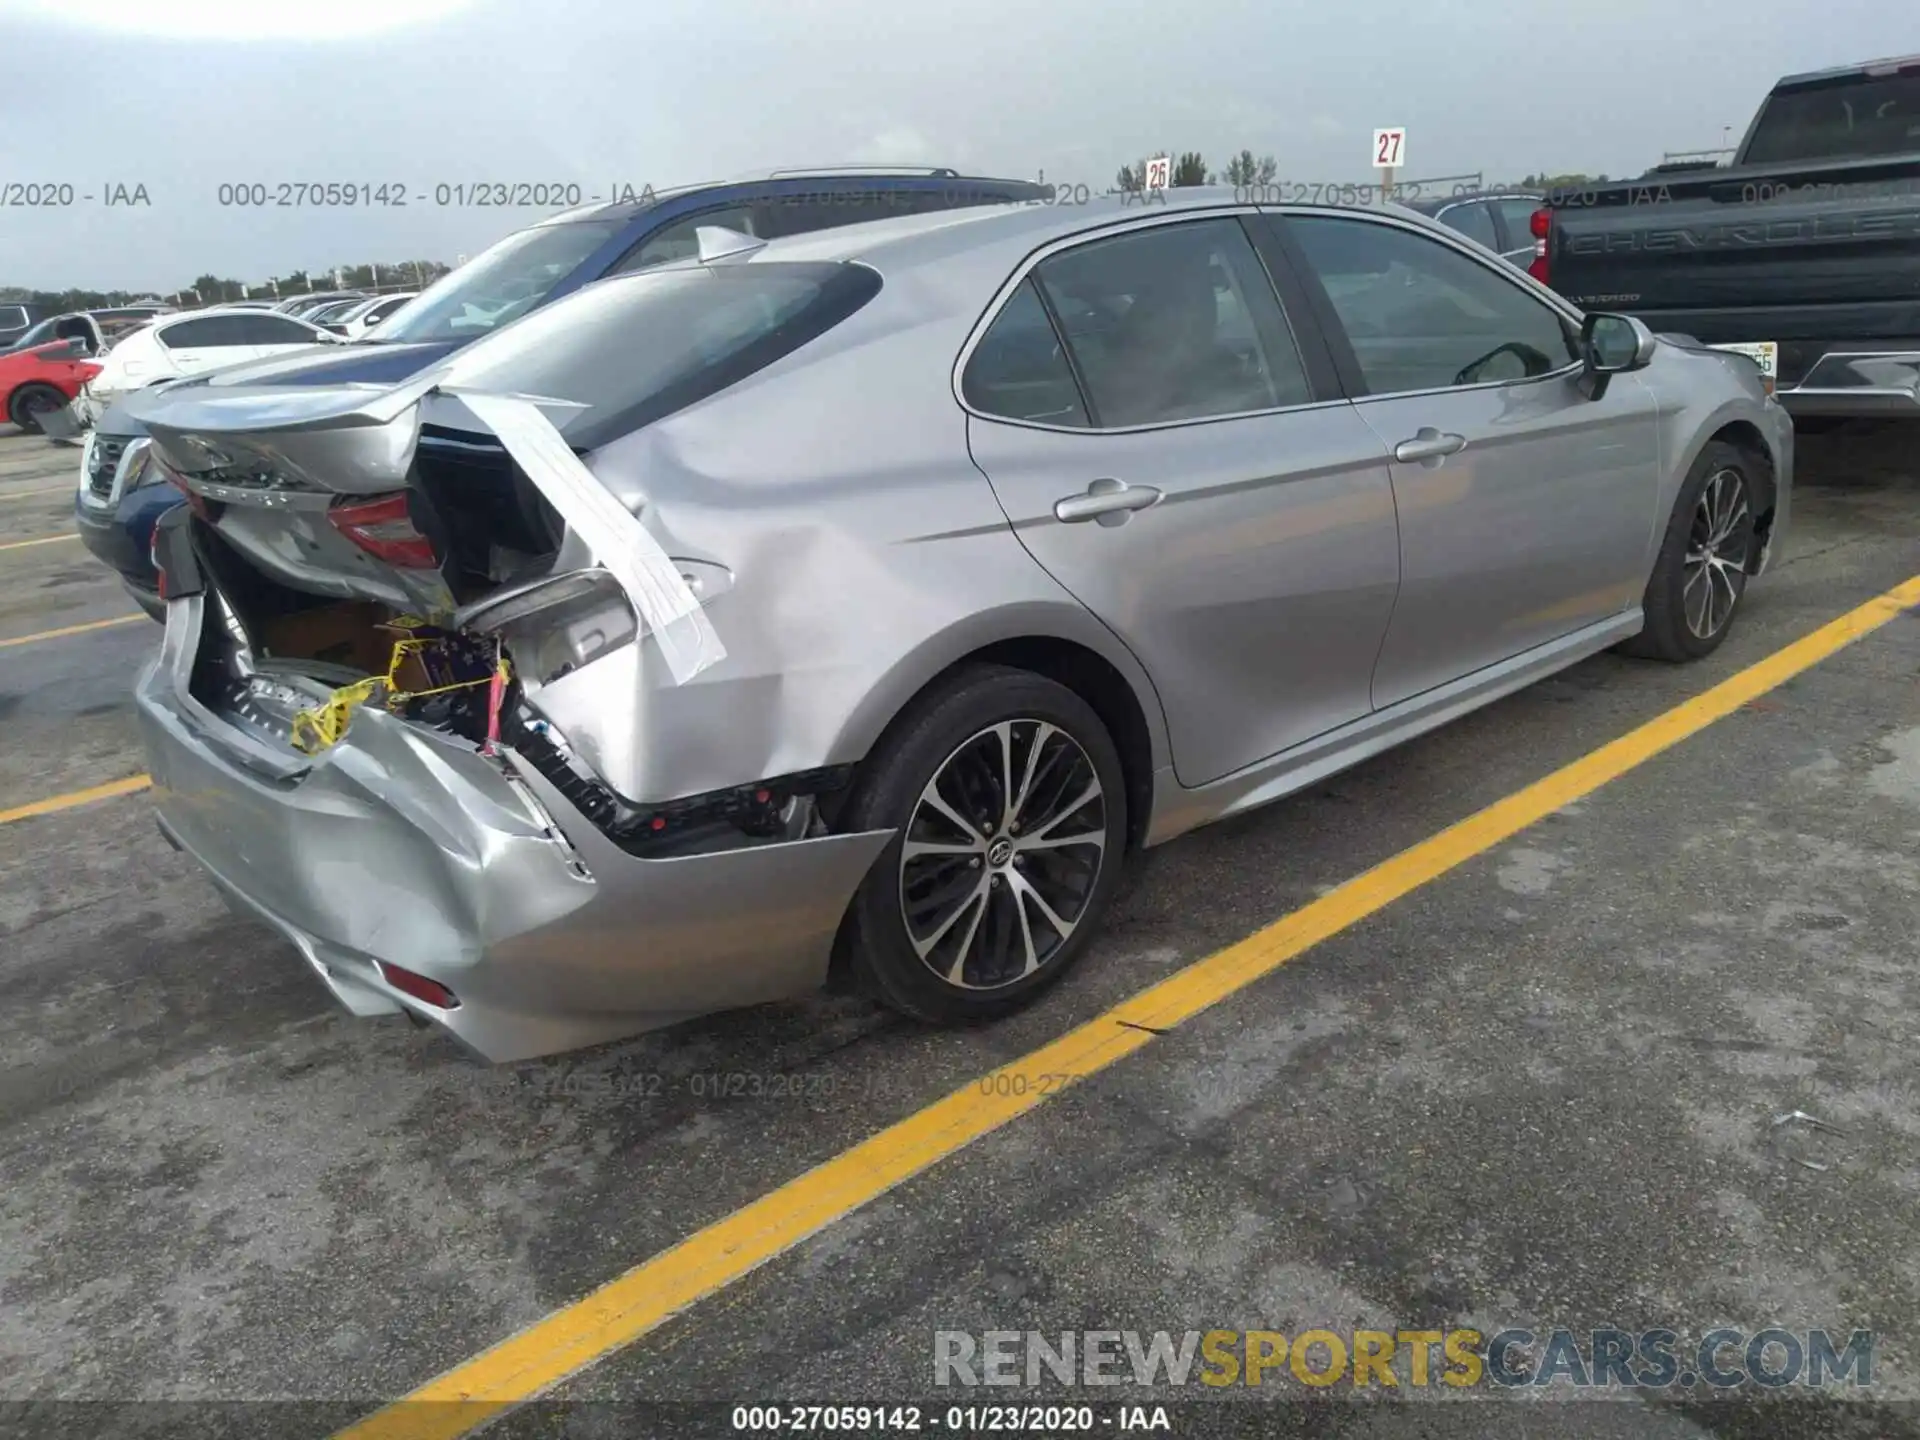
<point x="1428" y="444"/>
<point x="1108" y="501"/>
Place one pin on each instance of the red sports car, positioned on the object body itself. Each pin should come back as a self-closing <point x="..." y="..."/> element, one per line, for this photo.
<point x="44" y="378"/>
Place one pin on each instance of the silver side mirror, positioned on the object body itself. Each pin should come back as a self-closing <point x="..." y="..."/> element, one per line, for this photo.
<point x="1612" y="345"/>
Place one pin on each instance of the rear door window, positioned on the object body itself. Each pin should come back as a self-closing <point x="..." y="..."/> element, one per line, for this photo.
<point x="1174" y="322"/>
<point x="1518" y="216"/>
<point x="1019" y="369"/>
<point x="632" y="349"/>
<point x="1474" y="220"/>
<point x="198" y="334"/>
<point x="271" y="330"/>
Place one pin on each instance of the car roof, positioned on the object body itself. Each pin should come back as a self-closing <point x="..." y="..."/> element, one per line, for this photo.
<point x="1000" y="234"/>
<point x="778" y="183"/>
<point x="1887" y="66"/>
<point x="1429" y="204"/>
<point x="252" y="310"/>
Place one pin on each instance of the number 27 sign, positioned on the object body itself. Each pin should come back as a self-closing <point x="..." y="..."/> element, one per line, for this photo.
<point x="1390" y="148"/>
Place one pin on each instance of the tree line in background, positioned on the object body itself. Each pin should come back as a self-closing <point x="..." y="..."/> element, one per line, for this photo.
<point x="214" y="290"/>
<point x="1245" y="170"/>
<point x="1189" y="168"/>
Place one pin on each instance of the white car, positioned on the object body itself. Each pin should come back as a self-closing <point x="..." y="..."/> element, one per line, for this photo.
<point x="353" y="318"/>
<point x="377" y="312"/>
<point x="193" y="343"/>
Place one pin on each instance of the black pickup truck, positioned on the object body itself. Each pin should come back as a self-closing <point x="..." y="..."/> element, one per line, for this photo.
<point x="1803" y="251"/>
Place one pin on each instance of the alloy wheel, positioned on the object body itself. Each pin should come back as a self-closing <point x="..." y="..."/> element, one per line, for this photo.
<point x="1718" y="541"/>
<point x="1002" y="853"/>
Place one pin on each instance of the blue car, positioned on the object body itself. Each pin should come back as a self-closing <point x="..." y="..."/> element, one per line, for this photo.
<point x="121" y="496"/>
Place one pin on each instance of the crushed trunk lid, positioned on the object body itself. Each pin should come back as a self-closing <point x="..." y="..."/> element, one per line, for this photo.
<point x="275" y="473"/>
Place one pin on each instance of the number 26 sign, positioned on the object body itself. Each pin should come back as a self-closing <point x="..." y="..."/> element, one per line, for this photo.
<point x="1390" y="148"/>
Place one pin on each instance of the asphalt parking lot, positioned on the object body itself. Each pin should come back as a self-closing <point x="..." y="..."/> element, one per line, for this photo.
<point x="1537" y="1091"/>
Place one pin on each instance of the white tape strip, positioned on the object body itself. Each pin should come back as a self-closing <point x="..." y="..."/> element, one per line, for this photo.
<point x="618" y="540"/>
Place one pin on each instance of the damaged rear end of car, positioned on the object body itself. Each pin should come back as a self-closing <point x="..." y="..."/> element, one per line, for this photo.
<point x="393" y="712"/>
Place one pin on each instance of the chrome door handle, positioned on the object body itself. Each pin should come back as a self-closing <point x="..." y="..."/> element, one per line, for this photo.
<point x="1428" y="444"/>
<point x="1111" y="499"/>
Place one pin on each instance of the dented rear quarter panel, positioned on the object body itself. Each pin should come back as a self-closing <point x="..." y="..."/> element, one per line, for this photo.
<point x="867" y="555"/>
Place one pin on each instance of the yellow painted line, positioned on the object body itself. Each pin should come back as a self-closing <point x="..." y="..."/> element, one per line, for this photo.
<point x="626" y="1308"/>
<point x="70" y="630"/>
<point x="109" y="791"/>
<point x="31" y="494"/>
<point x="50" y="540"/>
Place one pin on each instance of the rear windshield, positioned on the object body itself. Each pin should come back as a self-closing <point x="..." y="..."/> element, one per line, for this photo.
<point x="498" y="285"/>
<point x="39" y="334"/>
<point x="1855" y="118"/>
<point x="638" y="347"/>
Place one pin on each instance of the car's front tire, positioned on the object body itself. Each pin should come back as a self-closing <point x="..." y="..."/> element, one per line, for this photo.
<point x="1009" y="805"/>
<point x="1700" y="577"/>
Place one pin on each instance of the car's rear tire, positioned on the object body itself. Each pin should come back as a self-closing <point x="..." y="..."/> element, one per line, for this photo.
<point x="1700" y="576"/>
<point x="26" y="404"/>
<point x="969" y="922"/>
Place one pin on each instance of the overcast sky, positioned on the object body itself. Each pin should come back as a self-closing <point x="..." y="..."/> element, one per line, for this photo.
<point x="181" y="95"/>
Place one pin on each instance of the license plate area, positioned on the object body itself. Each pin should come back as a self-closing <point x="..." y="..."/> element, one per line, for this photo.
<point x="1764" y="353"/>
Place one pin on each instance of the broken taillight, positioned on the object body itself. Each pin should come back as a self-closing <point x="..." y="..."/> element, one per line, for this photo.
<point x="195" y="501"/>
<point x="384" y="529"/>
<point x="407" y="982"/>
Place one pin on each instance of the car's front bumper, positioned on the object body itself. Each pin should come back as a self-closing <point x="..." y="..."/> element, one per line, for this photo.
<point x="406" y="846"/>
<point x="116" y="524"/>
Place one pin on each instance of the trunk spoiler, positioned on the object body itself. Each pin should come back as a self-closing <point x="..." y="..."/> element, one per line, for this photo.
<point x="359" y="440"/>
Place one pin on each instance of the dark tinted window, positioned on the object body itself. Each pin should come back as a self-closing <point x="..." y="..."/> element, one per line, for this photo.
<point x="1474" y="221"/>
<point x="1423" y="316"/>
<point x="269" y="330"/>
<point x="1176" y="322"/>
<point x="216" y="331"/>
<point x="1519" y="217"/>
<point x="501" y="283"/>
<point x="638" y="347"/>
<point x="1019" y="371"/>
<point x="1864" y="116"/>
<point x="12" y="317"/>
<point x="803" y="213"/>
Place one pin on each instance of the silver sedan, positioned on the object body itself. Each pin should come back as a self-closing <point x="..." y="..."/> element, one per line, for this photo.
<point x="847" y="607"/>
